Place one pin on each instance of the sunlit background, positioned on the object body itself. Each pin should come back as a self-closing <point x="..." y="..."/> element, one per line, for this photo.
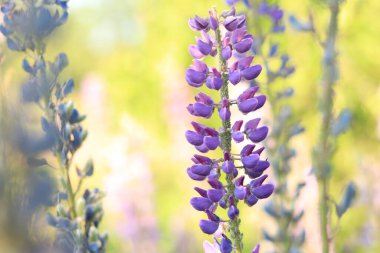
<point x="129" y="59"/>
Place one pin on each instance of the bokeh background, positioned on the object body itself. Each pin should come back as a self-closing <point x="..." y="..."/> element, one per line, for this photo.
<point x="129" y="57"/>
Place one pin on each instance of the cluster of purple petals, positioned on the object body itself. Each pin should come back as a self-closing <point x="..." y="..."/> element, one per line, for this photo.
<point x="248" y="184"/>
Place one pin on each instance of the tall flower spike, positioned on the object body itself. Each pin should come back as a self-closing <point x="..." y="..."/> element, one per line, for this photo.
<point x="283" y="129"/>
<point x="26" y="25"/>
<point x="242" y="182"/>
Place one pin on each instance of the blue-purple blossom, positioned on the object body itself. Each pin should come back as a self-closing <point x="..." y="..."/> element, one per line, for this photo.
<point x="244" y="172"/>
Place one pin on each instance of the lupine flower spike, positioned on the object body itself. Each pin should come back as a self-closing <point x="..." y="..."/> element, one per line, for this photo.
<point x="331" y="126"/>
<point x="26" y="24"/>
<point x="233" y="178"/>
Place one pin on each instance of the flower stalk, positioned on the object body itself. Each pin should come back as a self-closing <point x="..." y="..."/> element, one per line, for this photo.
<point x="226" y="138"/>
<point x="228" y="39"/>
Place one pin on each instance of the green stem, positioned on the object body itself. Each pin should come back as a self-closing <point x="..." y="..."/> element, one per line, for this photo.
<point x="236" y="235"/>
<point x="323" y="149"/>
<point x="2" y="119"/>
<point x="70" y="194"/>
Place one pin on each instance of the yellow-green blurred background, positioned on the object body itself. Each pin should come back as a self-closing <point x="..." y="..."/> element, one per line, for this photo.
<point x="129" y="57"/>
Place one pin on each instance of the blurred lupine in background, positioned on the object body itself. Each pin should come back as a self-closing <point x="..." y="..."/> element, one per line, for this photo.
<point x="223" y="36"/>
<point x="331" y="126"/>
<point x="267" y="23"/>
<point x="26" y="25"/>
<point x="25" y="190"/>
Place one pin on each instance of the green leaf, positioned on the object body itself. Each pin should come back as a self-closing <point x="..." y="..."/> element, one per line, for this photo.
<point x="89" y="168"/>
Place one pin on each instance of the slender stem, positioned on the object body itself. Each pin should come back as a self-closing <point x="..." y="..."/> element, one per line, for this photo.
<point x="2" y="118"/>
<point x="236" y="235"/>
<point x="323" y="149"/>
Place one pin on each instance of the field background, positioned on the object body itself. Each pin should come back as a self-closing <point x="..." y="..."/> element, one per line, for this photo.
<point x="129" y="59"/>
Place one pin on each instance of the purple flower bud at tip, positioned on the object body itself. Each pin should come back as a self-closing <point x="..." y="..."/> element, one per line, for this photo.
<point x="234" y="77"/>
<point x="252" y="125"/>
<point x="200" y="203"/>
<point x="231" y="23"/>
<point x="247" y="150"/>
<point x="194" y="138"/>
<point x="198" y="23"/>
<point x="202" y="159"/>
<point x="260" y="101"/>
<point x="245" y="62"/>
<point x="211" y="142"/>
<point x="252" y="72"/>
<point x="214" y="83"/>
<point x="228" y="167"/>
<point x="233" y="212"/>
<point x="200" y="169"/>
<point x="248" y="105"/>
<point x="238" y="136"/>
<point x="194" y="52"/>
<point x="213" y="22"/>
<point x="256" y="249"/>
<point x="262" y="166"/>
<point x="239" y="181"/>
<point x="250" y="161"/>
<point x="258" y="151"/>
<point x="201" y="191"/>
<point x="215" y="195"/>
<point x="222" y="203"/>
<point x="263" y="191"/>
<point x="240" y="192"/>
<point x="195" y="177"/>
<point x="195" y="78"/>
<point x="227" y="52"/>
<point x="224" y="113"/>
<point x="202" y="110"/>
<point x="244" y="45"/>
<point x="225" y="245"/>
<point x="258" y="181"/>
<point x="237" y="125"/>
<point x="208" y="227"/>
<point x="251" y="200"/>
<point x="203" y="47"/>
<point x="215" y="183"/>
<point x="259" y="134"/>
<point x="202" y="148"/>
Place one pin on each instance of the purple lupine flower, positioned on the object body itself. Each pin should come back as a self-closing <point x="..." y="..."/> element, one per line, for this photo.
<point x="203" y="106"/>
<point x="214" y="80"/>
<point x="256" y="249"/>
<point x="225" y="245"/>
<point x="197" y="73"/>
<point x="235" y="168"/>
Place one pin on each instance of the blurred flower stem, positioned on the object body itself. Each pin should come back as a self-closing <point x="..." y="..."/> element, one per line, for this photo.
<point x="323" y="150"/>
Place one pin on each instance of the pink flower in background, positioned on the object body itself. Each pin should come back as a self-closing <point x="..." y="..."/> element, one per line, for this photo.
<point x="211" y="248"/>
